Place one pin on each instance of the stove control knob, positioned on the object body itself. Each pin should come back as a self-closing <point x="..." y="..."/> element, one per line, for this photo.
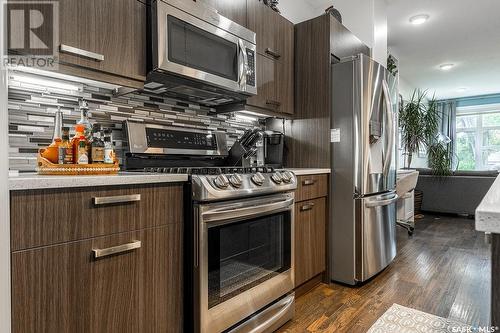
<point x="277" y="178"/>
<point x="236" y="180"/>
<point x="221" y="182"/>
<point x="258" y="179"/>
<point x="287" y="176"/>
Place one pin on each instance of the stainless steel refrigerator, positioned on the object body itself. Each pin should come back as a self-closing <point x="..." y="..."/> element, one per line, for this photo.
<point x="363" y="182"/>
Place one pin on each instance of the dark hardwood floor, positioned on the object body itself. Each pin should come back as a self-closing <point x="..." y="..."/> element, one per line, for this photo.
<point x="444" y="270"/>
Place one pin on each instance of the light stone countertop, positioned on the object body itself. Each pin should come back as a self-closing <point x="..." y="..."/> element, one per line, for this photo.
<point x="488" y="211"/>
<point x="308" y="171"/>
<point x="33" y="181"/>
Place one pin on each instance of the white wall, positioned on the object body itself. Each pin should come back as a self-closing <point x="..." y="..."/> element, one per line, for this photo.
<point x="4" y="190"/>
<point x="357" y="16"/>
<point x="297" y="11"/>
<point x="379" y="51"/>
<point x="367" y="19"/>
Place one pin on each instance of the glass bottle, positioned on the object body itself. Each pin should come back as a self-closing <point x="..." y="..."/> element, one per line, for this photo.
<point x="57" y="126"/>
<point x="80" y="145"/>
<point x="65" y="149"/>
<point x="82" y="153"/>
<point x="97" y="145"/>
<point x="84" y="119"/>
<point x="108" y="148"/>
<point x="51" y="153"/>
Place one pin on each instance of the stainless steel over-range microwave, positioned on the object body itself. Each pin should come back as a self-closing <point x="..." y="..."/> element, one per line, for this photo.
<point x="199" y="55"/>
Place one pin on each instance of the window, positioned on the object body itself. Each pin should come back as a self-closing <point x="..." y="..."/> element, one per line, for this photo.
<point x="478" y="137"/>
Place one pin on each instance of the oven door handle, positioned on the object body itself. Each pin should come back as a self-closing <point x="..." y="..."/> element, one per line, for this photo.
<point x="224" y="213"/>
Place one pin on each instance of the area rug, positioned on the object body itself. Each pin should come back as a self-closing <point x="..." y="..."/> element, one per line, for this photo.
<point x="400" y="319"/>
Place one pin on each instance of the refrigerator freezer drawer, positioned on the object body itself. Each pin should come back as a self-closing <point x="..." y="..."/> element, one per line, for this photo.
<point x="376" y="239"/>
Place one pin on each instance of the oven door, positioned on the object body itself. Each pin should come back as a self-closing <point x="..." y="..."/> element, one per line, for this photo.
<point x="200" y="47"/>
<point x="246" y="258"/>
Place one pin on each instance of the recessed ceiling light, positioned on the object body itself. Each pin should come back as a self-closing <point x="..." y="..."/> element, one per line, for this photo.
<point x="446" y="67"/>
<point x="462" y="89"/>
<point x="419" y="19"/>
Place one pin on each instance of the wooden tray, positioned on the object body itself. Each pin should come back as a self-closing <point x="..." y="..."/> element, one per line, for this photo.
<point x="45" y="167"/>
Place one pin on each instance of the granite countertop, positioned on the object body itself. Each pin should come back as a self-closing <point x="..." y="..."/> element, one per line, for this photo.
<point x="33" y="181"/>
<point x="488" y="211"/>
<point x="308" y="171"/>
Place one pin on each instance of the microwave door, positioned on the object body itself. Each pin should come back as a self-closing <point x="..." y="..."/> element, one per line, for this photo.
<point x="191" y="47"/>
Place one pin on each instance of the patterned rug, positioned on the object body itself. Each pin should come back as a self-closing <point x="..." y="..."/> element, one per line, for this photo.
<point x="400" y="319"/>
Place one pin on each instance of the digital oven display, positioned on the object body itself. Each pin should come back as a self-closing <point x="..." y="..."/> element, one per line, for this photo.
<point x="169" y="139"/>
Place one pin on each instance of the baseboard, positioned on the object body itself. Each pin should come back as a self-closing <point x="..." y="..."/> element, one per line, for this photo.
<point x="308" y="285"/>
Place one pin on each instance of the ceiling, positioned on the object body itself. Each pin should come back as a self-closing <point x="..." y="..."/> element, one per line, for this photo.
<point x="463" y="32"/>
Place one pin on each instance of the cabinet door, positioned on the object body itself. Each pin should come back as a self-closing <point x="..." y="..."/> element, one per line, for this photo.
<point x="262" y="20"/>
<point x="275" y="41"/>
<point x="310" y="239"/>
<point x="286" y="68"/>
<point x="63" y="288"/>
<point x="108" y="36"/>
<point x="235" y="10"/>
<point x="267" y="92"/>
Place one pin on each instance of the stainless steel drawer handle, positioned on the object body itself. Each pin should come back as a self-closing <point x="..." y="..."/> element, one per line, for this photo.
<point x="80" y="52"/>
<point x="273" y="103"/>
<point x="101" y="253"/>
<point x="307" y="207"/>
<point x="273" y="53"/>
<point x="99" y="201"/>
<point x="308" y="182"/>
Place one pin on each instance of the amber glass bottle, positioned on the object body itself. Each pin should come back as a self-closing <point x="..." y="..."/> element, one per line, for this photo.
<point x="77" y="146"/>
<point x="65" y="148"/>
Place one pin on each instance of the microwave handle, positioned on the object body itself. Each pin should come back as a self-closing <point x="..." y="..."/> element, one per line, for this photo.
<point x="242" y="65"/>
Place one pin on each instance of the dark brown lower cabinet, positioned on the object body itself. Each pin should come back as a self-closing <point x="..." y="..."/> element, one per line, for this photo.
<point x="64" y="288"/>
<point x="310" y="238"/>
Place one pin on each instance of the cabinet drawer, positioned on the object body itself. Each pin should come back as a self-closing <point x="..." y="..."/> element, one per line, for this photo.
<point x="311" y="187"/>
<point x="310" y="239"/>
<point x="64" y="288"/>
<point x="45" y="217"/>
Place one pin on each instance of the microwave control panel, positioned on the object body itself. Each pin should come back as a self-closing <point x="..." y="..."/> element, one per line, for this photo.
<point x="251" y="68"/>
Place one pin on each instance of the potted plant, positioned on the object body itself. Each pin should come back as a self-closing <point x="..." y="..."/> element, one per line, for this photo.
<point x="419" y="123"/>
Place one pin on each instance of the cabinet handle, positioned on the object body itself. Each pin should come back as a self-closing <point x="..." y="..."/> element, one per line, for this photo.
<point x="308" y="182"/>
<point x="274" y="103"/>
<point x="273" y="53"/>
<point x="307" y="207"/>
<point x="99" y="201"/>
<point x="101" y="253"/>
<point x="82" y="53"/>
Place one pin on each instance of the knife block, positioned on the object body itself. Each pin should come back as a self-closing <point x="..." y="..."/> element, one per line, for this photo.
<point x="236" y="155"/>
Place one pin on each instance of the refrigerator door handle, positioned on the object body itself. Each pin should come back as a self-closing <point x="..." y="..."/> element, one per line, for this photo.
<point x="390" y="131"/>
<point x="380" y="203"/>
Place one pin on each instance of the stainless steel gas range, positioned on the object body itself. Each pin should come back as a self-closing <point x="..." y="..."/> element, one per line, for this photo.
<point x="239" y="231"/>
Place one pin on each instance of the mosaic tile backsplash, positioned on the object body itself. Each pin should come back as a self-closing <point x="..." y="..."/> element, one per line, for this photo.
<point x="32" y="105"/>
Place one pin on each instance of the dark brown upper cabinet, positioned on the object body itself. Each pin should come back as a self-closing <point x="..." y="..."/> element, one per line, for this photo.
<point x="104" y="36"/>
<point x="235" y="10"/>
<point x="319" y="42"/>
<point x="275" y="61"/>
